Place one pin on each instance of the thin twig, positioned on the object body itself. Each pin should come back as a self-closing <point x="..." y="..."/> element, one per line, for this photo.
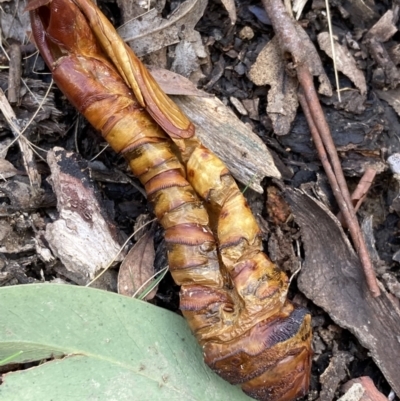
<point x="291" y="43"/>
<point x="328" y="17"/>
<point x="342" y="195"/>
<point x="360" y="193"/>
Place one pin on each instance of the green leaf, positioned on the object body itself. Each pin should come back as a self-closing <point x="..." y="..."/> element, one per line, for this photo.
<point x="103" y="347"/>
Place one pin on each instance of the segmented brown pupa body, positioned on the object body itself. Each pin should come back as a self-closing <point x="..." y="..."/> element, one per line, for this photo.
<point x="233" y="297"/>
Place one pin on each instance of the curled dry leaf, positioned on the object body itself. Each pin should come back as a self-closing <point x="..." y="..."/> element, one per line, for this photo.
<point x="269" y="70"/>
<point x="152" y="32"/>
<point x="344" y="61"/>
<point x="282" y="104"/>
<point x="138" y="267"/>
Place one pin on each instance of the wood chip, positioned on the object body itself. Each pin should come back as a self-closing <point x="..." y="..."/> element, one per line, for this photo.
<point x="83" y="238"/>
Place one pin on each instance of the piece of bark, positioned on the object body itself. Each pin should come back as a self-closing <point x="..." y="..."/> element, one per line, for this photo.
<point x="392" y="283"/>
<point x="391" y="96"/>
<point x="334" y="374"/>
<point x="333" y="279"/>
<point x="391" y="75"/>
<point x="21" y="196"/>
<point x="385" y="28"/>
<point x="366" y="389"/>
<point x="245" y="154"/>
<point x="47" y="117"/>
<point x="14" y="237"/>
<point x="83" y="238"/>
<point x="363" y="13"/>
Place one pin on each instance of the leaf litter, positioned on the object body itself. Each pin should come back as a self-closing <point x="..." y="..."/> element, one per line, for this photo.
<point x="358" y="142"/>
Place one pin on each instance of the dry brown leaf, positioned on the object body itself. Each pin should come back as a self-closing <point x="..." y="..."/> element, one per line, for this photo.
<point x="174" y="84"/>
<point x="282" y="97"/>
<point x="269" y="69"/>
<point x="231" y="8"/>
<point x="138" y="267"/>
<point x="344" y="61"/>
<point x="7" y="170"/>
<point x="152" y="32"/>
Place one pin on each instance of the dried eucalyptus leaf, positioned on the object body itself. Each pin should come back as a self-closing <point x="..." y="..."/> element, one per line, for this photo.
<point x="344" y="61"/>
<point x="174" y="84"/>
<point x="138" y="267"/>
<point x="282" y="97"/>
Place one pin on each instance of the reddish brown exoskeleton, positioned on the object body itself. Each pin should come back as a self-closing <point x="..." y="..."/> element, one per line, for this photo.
<point x="233" y="297"/>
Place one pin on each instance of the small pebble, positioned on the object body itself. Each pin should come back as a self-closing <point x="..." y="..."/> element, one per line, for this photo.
<point x="238" y="105"/>
<point x="394" y="163"/>
<point x="246" y="33"/>
<point x="240" y="68"/>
